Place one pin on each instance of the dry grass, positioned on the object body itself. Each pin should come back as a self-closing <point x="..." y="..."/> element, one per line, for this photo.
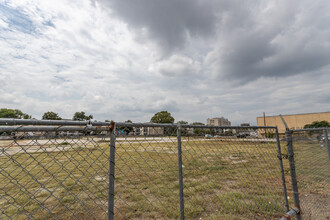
<point x="222" y="179"/>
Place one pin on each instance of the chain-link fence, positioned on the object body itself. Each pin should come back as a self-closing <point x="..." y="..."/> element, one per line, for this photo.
<point x="61" y="170"/>
<point x="53" y="172"/>
<point x="312" y="162"/>
<point x="198" y="172"/>
<point x="235" y="176"/>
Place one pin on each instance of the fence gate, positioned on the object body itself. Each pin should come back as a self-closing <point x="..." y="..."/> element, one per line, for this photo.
<point x="312" y="163"/>
<point x="193" y="172"/>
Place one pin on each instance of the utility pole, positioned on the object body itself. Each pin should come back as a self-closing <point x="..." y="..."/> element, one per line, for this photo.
<point x="265" y="123"/>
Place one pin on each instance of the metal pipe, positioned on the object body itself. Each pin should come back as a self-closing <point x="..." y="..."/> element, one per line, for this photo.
<point x="49" y="128"/>
<point x="118" y="124"/>
<point x="265" y="123"/>
<point x="293" y="212"/>
<point x="288" y="135"/>
<point x="7" y="121"/>
<point x="180" y="173"/>
<point x="111" y="196"/>
<point x="282" y="170"/>
<point x="286" y="126"/>
<point x="326" y="140"/>
<point x="311" y="129"/>
<point x="188" y="126"/>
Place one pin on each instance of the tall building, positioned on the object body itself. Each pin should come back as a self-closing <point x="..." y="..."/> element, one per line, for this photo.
<point x="218" y="121"/>
<point x="294" y="121"/>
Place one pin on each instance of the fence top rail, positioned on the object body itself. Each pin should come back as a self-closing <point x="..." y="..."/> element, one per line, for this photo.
<point x="191" y="126"/>
<point x="49" y="128"/>
<point x="311" y="129"/>
<point x="12" y="121"/>
<point x="97" y="123"/>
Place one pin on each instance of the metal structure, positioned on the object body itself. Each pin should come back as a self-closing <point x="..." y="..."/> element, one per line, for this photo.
<point x="312" y="167"/>
<point x="296" y="211"/>
<point x="309" y="157"/>
<point x="53" y="169"/>
<point x="99" y="170"/>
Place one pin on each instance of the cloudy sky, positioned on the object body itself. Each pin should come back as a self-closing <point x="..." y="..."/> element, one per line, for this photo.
<point x="128" y="59"/>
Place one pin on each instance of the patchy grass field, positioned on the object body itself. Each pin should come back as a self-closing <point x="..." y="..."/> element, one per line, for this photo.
<point x="223" y="179"/>
<point x="313" y="175"/>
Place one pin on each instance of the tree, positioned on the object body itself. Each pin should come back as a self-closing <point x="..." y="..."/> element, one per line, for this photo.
<point x="317" y="124"/>
<point x="199" y="131"/>
<point x="13" y="113"/>
<point x="162" y="117"/>
<point x="51" y="116"/>
<point x="80" y="116"/>
<point x="182" y="122"/>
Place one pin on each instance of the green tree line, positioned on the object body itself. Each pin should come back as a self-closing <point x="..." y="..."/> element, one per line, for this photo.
<point x="318" y="124"/>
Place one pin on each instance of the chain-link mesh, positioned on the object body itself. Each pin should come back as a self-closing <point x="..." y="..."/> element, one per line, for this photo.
<point x="53" y="175"/>
<point x="227" y="173"/>
<point x="233" y="176"/>
<point x="146" y="174"/>
<point x="312" y="163"/>
<point x="60" y="173"/>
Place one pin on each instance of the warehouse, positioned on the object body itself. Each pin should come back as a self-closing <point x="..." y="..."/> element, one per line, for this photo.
<point x="294" y="121"/>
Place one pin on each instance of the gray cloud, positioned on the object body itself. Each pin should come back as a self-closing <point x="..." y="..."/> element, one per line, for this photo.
<point x="109" y="64"/>
<point x="287" y="43"/>
<point x="176" y="66"/>
<point x="170" y="23"/>
<point x="250" y="40"/>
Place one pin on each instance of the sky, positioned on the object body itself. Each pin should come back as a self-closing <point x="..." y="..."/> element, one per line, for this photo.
<point x="197" y="59"/>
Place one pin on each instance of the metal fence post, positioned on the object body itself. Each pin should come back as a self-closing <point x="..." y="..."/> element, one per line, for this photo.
<point x="180" y="173"/>
<point x="325" y="132"/>
<point x="288" y="135"/>
<point x="282" y="171"/>
<point x="112" y="172"/>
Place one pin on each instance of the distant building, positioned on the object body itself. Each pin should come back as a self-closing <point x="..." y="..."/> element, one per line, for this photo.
<point x="148" y="131"/>
<point x="294" y="121"/>
<point x="218" y="121"/>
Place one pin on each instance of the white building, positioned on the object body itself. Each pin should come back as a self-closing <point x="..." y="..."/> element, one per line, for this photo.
<point x="218" y="121"/>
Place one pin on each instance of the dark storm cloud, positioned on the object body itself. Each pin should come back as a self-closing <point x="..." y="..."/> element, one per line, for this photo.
<point x="286" y="39"/>
<point x="250" y="39"/>
<point x="169" y="22"/>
